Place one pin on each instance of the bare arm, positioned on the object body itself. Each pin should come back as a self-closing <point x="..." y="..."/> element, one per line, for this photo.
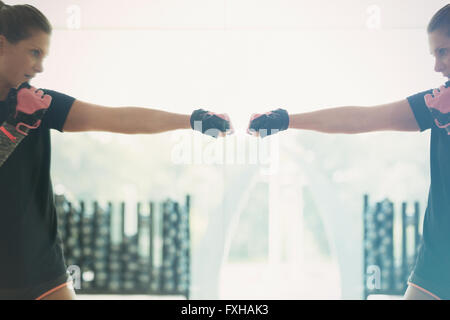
<point x="396" y="116"/>
<point x="128" y="120"/>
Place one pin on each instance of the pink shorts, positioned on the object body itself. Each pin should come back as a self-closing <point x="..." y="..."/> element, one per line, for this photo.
<point x="36" y="292"/>
<point x="439" y="292"/>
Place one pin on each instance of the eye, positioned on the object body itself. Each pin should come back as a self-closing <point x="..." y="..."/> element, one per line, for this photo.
<point x="442" y="52"/>
<point x="36" y="53"/>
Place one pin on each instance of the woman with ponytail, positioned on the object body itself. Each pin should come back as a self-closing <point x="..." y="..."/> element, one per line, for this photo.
<point x="32" y="264"/>
<point x="430" y="109"/>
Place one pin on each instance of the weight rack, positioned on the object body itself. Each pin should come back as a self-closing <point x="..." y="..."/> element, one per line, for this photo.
<point x="104" y="259"/>
<point x="382" y="275"/>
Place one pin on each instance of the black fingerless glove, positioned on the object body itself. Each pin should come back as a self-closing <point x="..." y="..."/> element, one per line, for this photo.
<point x="439" y="105"/>
<point x="26" y="106"/>
<point x="269" y="123"/>
<point x="209" y="123"/>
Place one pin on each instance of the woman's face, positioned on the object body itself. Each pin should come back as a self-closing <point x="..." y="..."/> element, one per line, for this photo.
<point x="20" y="62"/>
<point x="440" y="49"/>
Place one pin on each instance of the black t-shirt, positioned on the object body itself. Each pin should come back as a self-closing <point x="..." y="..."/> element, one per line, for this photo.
<point x="30" y="246"/>
<point x="433" y="261"/>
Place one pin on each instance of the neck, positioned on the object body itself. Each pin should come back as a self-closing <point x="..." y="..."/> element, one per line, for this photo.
<point x="4" y="90"/>
<point x="3" y="94"/>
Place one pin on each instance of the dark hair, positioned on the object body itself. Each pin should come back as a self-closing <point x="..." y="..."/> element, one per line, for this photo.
<point x="18" y="22"/>
<point x="441" y="21"/>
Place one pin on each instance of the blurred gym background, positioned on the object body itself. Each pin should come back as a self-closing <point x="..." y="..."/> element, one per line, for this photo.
<point x="276" y="219"/>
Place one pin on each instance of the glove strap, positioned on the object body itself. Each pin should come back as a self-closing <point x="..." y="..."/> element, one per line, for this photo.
<point x="9" y="135"/>
<point x="28" y="126"/>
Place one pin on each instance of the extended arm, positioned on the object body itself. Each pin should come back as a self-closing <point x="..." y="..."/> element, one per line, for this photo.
<point x="395" y="116"/>
<point x="128" y="120"/>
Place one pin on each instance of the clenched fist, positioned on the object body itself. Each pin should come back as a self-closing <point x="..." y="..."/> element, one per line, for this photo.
<point x="268" y="123"/>
<point x="210" y="123"/>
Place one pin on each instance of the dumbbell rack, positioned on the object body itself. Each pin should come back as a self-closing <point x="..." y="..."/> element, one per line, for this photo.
<point x="382" y="275"/>
<point x="154" y="261"/>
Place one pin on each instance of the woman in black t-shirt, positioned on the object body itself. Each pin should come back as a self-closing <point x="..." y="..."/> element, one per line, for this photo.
<point x="430" y="278"/>
<point x="31" y="258"/>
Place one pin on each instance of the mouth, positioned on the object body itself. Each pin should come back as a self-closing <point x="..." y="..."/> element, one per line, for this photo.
<point x="29" y="77"/>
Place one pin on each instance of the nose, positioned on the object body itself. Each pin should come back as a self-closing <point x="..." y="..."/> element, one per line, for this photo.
<point x="39" y="68"/>
<point x="439" y="66"/>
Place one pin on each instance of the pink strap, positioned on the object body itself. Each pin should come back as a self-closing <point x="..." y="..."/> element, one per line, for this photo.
<point x="441" y="126"/>
<point x="28" y="126"/>
<point x="9" y="135"/>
